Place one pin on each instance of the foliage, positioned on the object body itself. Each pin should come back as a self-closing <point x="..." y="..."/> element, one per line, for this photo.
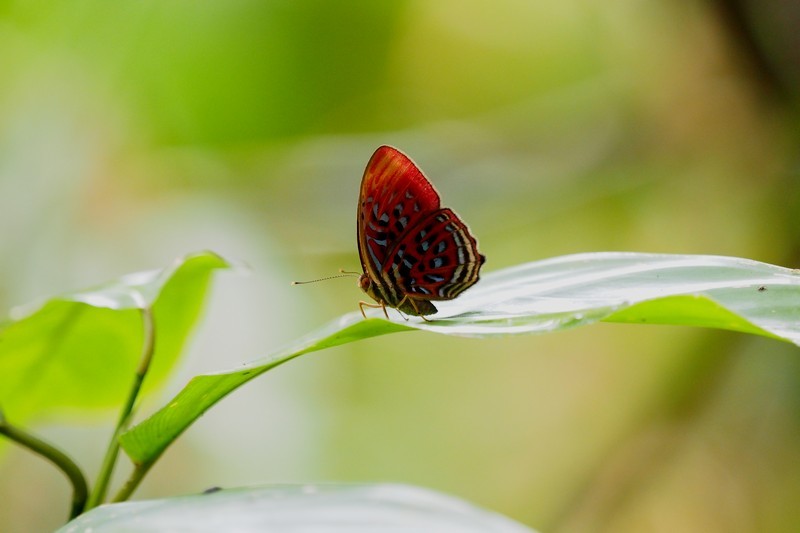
<point x="80" y="349"/>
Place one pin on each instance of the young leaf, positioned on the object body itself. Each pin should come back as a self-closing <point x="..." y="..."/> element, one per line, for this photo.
<point x="79" y="350"/>
<point x="549" y="295"/>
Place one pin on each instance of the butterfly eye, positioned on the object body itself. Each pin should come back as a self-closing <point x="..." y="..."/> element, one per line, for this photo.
<point x="364" y="282"/>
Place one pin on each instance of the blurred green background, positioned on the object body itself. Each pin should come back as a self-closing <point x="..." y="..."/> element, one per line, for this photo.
<point x="134" y="132"/>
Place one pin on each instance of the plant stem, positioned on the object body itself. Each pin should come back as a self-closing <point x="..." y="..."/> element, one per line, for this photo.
<point x="55" y="456"/>
<point x="107" y="468"/>
<point x="135" y="478"/>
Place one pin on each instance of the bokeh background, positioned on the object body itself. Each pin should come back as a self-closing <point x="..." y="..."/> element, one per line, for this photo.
<point x="134" y="132"/>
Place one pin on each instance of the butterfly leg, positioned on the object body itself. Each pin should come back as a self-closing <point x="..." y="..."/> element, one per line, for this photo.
<point x="404" y="317"/>
<point x="382" y="305"/>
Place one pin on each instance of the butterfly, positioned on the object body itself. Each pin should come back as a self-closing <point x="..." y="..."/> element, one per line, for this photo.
<point x="412" y="250"/>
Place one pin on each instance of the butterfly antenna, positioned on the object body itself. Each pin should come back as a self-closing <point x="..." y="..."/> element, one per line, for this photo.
<point x="342" y="275"/>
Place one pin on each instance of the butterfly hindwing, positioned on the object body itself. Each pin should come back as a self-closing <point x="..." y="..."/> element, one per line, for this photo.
<point x="437" y="259"/>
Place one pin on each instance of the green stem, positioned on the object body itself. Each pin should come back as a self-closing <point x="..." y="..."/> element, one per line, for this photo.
<point x="55" y="456"/>
<point x="135" y="478"/>
<point x="107" y="468"/>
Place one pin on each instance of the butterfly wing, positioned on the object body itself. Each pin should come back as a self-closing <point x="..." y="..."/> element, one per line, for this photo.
<point x="394" y="196"/>
<point x="437" y="259"/>
<point x="411" y="250"/>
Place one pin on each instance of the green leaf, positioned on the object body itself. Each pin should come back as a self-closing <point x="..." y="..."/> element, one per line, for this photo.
<point x="550" y="295"/>
<point x="79" y="350"/>
<point x="299" y="508"/>
<point x="146" y="441"/>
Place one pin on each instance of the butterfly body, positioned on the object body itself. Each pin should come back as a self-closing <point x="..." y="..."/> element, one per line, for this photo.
<point x="412" y="250"/>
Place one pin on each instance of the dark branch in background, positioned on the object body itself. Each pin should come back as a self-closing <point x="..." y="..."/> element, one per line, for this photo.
<point x="80" y="490"/>
<point x="767" y="35"/>
<point x="772" y="73"/>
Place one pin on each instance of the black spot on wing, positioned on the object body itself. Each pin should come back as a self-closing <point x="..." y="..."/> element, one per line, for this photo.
<point x="400" y="224"/>
<point x="439" y="262"/>
<point x="418" y="289"/>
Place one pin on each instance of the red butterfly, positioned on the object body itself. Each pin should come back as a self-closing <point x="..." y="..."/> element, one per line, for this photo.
<point x="412" y="250"/>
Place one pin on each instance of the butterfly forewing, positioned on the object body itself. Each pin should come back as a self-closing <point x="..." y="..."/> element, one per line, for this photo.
<point x="394" y="196"/>
<point x="411" y="250"/>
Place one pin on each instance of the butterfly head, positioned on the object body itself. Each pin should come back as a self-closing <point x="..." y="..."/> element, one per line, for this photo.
<point x="370" y="287"/>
